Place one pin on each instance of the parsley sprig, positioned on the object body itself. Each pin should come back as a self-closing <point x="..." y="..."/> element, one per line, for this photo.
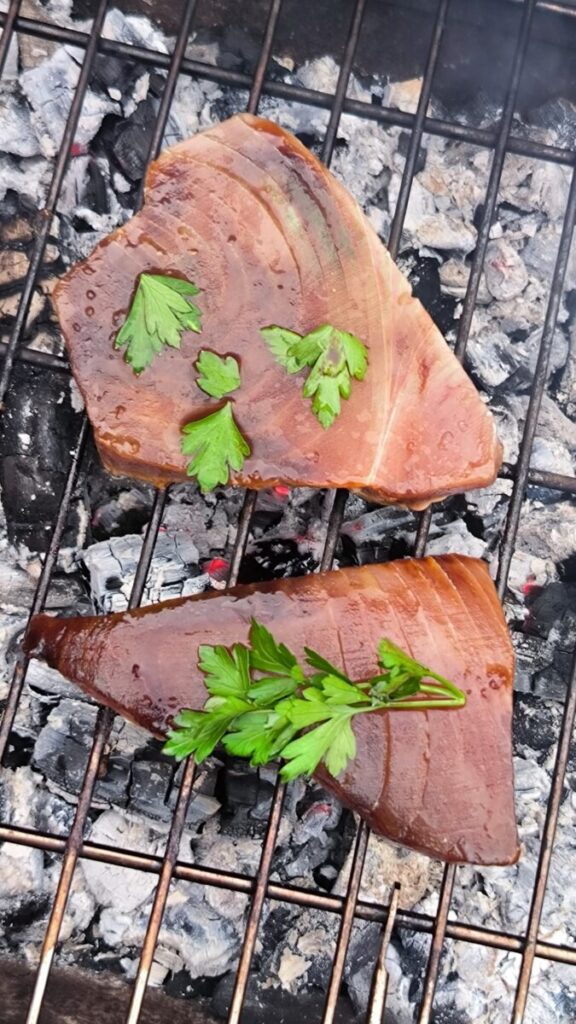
<point x="161" y="310"/>
<point x="263" y="705"/>
<point x="334" y="358"/>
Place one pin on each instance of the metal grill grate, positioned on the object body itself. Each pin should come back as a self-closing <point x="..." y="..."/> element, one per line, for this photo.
<point x="501" y="141"/>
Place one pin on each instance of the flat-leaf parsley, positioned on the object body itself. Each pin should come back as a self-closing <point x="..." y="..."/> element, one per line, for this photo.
<point x="216" y="446"/>
<point x="219" y="375"/>
<point x="262" y="705"/>
<point x="334" y="356"/>
<point x="161" y="310"/>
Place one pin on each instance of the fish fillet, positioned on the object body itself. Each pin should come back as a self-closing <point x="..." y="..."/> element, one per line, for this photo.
<point x="248" y="214"/>
<point x="440" y="781"/>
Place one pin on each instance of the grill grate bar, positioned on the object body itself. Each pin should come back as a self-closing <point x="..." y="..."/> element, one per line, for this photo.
<point x="8" y="31"/>
<point x="334" y="522"/>
<point x="546" y="848"/>
<point x="46" y="214"/>
<point x="337" y="105"/>
<point x="377" y="1002"/>
<point x="438" y="936"/>
<point x="42" y="587"/>
<point x="104" y="722"/>
<point x="409" y="920"/>
<point x="348" y="914"/>
<point x="337" y="514"/>
<point x="105" y="717"/>
<point x="449" y="874"/>
<point x="538" y="385"/>
<point x="265" y="54"/>
<point x="510" y="530"/>
<point x="484" y="137"/>
<point x="417" y="132"/>
<point x="176" y="59"/>
<point x="491" y="196"/>
<point x="258" y="897"/>
<point x="161" y="894"/>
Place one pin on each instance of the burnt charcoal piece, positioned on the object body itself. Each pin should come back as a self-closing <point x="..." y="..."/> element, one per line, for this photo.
<point x="425" y="281"/>
<point x="117" y="505"/>
<point x="151" y="781"/>
<point x="37" y="434"/>
<point x="132" y="140"/>
<point x="265" y="1003"/>
<point x="275" y="558"/>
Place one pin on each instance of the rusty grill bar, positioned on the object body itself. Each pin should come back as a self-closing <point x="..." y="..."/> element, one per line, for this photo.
<point x="260" y="888"/>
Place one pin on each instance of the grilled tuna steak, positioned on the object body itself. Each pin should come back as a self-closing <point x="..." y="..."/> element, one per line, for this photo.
<point x="439" y="782"/>
<point x="249" y="215"/>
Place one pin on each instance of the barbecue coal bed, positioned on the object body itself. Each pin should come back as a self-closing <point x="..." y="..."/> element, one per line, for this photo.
<point x="130" y="890"/>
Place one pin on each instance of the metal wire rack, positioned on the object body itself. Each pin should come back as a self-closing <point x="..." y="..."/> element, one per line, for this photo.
<point x="500" y="141"/>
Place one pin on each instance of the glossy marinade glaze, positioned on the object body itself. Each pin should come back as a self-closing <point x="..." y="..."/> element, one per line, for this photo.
<point x="440" y="782"/>
<point x="270" y="236"/>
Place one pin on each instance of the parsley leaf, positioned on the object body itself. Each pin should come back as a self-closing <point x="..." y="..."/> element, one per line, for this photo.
<point x="269" y="656"/>
<point x="281" y="342"/>
<point x="335" y="357"/>
<point x="219" y="376"/>
<point x="226" y="672"/>
<point x="302" y="720"/>
<point x="160" y="311"/>
<point x="216" y="446"/>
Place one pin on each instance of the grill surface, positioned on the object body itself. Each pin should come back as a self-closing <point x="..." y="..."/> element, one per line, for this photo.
<point x="501" y="141"/>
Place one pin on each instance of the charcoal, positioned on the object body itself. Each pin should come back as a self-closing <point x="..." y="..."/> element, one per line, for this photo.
<point x="151" y="781"/>
<point x="116" y="505"/>
<point x="558" y="115"/>
<point x="547" y="605"/>
<point x="49" y="89"/>
<point x="116" y="887"/>
<point x="270" y="559"/>
<point x="29" y="178"/>
<point x="18" y="135"/>
<point x="489" y="359"/>
<point x="132" y="140"/>
<point x="425" y="281"/>
<point x="38" y="432"/>
<point x="112" y="73"/>
<point x="506" y="275"/>
<point x="264" y="1002"/>
<point x="112" y="566"/>
<point x="59" y="755"/>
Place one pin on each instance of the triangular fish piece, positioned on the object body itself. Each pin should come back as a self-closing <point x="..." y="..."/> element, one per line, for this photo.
<point x="246" y="212"/>
<point x="440" y="781"/>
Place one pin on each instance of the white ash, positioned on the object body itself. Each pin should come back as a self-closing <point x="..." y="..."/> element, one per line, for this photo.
<point x="49" y="89"/>
<point x="118" y="887"/>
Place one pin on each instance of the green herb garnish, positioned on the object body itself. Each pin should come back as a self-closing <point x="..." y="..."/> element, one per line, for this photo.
<point x="161" y="310"/>
<point x="262" y="705"/>
<point x="334" y="357"/>
<point x="219" y="376"/>
<point x="216" y="446"/>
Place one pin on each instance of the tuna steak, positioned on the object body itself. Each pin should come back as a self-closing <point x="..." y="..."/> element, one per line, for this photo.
<point x="249" y="215"/>
<point x="440" y="781"/>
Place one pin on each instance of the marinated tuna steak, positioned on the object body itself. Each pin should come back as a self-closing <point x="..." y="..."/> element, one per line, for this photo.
<point x="270" y="237"/>
<point x="439" y="782"/>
